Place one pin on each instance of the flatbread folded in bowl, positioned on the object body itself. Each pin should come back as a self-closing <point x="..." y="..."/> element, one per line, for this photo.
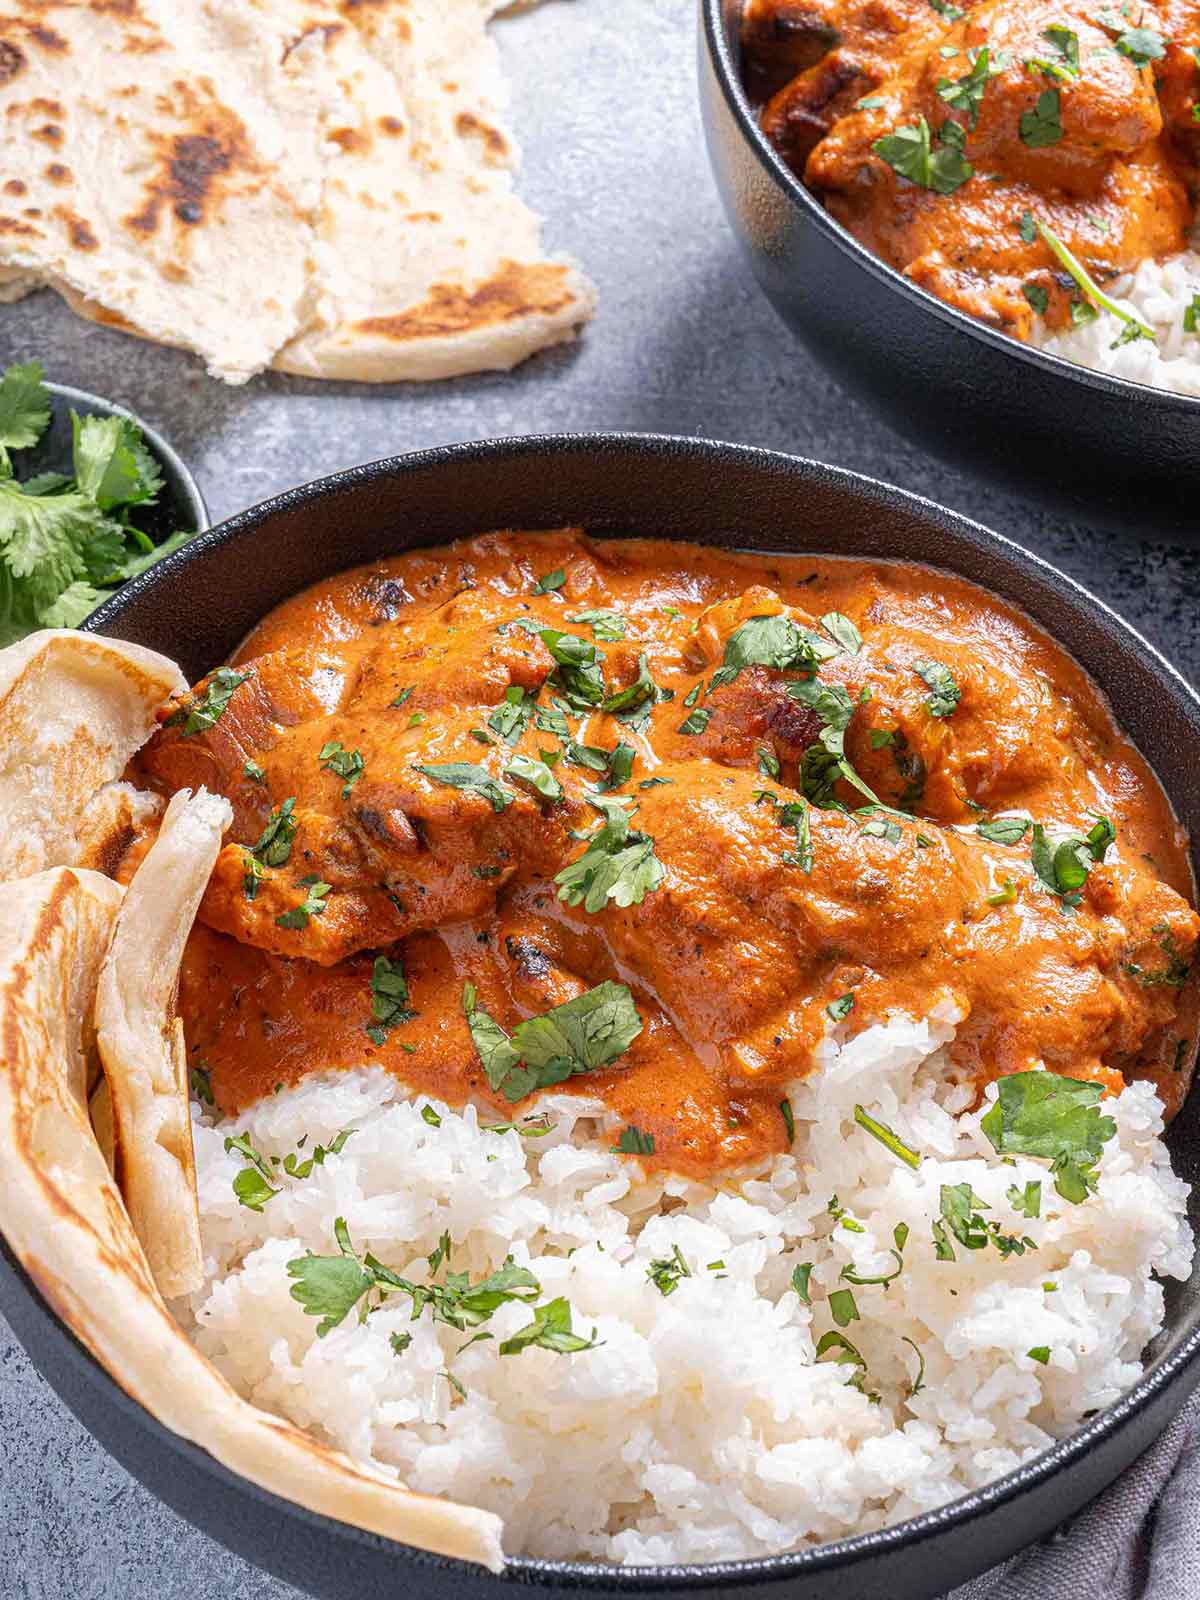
<point x="65" y="934"/>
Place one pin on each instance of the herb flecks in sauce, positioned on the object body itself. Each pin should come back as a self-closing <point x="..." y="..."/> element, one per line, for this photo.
<point x="689" y="870"/>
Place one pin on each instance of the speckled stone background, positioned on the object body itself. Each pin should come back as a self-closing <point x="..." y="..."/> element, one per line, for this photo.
<point x="683" y="343"/>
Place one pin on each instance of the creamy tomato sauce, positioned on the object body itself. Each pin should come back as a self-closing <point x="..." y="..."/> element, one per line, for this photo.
<point x="942" y="135"/>
<point x="782" y="900"/>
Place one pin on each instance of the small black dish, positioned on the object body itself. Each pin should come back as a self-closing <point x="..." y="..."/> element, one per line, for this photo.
<point x="180" y="503"/>
<point x="198" y="603"/>
<point x="1112" y="453"/>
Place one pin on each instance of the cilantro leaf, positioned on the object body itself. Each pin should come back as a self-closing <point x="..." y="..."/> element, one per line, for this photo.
<point x="946" y="693"/>
<point x="347" y="764"/>
<point x="1004" y="830"/>
<point x="112" y="466"/>
<point x="842" y="631"/>
<point x="776" y="642"/>
<point x="1043" y="124"/>
<point x="313" y="904"/>
<point x="667" y="1274"/>
<point x="204" y="713"/>
<point x="910" y="153"/>
<point x="582" y="1034"/>
<point x="511" y="717"/>
<point x="550" y="1330"/>
<point x="1141" y="45"/>
<point x="275" y="842"/>
<point x="617" y="865"/>
<point x="1056" y="1118"/>
<point x="965" y="94"/>
<point x="536" y="774"/>
<point x="550" y="582"/>
<point x="329" y="1287"/>
<point x="633" y="1142"/>
<point x="389" y="999"/>
<point x="475" y="779"/>
<point x="607" y="625"/>
<point x="24" y="406"/>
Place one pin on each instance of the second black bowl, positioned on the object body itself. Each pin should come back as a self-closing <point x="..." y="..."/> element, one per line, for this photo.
<point x="1116" y="454"/>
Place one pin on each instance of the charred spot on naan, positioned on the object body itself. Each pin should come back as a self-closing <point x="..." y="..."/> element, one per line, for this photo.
<point x="12" y="61"/>
<point x="515" y="290"/>
<point x="495" y="146"/>
<point x="197" y="169"/>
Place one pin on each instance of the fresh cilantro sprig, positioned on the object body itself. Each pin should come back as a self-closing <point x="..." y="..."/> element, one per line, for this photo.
<point x="618" y="864"/>
<point x="582" y="1034"/>
<point x="67" y="540"/>
<point x="1055" y="1118"/>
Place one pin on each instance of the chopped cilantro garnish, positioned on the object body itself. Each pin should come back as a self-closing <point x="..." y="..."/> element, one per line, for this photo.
<point x="666" y="1275"/>
<point x="607" y="625"/>
<point x="842" y="631"/>
<point x="402" y="697"/>
<point x="789" y="1120"/>
<point x="1141" y="45"/>
<point x="313" y="904"/>
<point x="275" y="842"/>
<point x="549" y="1330"/>
<point x="1043" y="124"/>
<point x="511" y="716"/>
<point x="254" y="1184"/>
<point x="1028" y="1201"/>
<point x="910" y="153"/>
<point x="1004" y="830"/>
<point x="842" y="1307"/>
<point x="536" y="774"/>
<point x="1037" y="296"/>
<point x="1134" y="328"/>
<point x="768" y="763"/>
<point x="582" y="1034"/>
<point x="429" y="1115"/>
<point x="618" y="865"/>
<point x="776" y="642"/>
<point x="965" y="94"/>
<point x="1004" y="896"/>
<point x="946" y="694"/>
<point x="800" y="1281"/>
<point x="389" y="999"/>
<point x="1056" y="1118"/>
<point x="474" y="779"/>
<point x="841" y="1008"/>
<point x="887" y="1137"/>
<point x="346" y="764"/>
<point x="633" y="1142"/>
<point x="696" y="721"/>
<point x="212" y="705"/>
<point x="1039" y="1353"/>
<point x="252" y="770"/>
<point x="552" y="580"/>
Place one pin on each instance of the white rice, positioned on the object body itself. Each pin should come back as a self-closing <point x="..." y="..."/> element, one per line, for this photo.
<point x="702" y="1427"/>
<point x="1159" y="292"/>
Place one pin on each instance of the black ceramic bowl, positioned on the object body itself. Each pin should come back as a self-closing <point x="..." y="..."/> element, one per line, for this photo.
<point x="201" y="601"/>
<point x="1113" y="453"/>
<point x="180" y="503"/>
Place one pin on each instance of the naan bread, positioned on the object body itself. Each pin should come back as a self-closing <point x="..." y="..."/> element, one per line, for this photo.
<point x="141" y="1039"/>
<point x="73" y="709"/>
<point x="64" y="1220"/>
<point x="320" y="185"/>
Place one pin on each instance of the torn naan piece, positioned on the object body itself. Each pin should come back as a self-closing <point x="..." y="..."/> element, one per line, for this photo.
<point x="62" y="1216"/>
<point x="141" y="1039"/>
<point x="316" y="185"/>
<point x="73" y="709"/>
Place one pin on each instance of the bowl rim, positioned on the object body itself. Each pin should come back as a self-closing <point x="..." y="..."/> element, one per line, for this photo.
<point x="159" y="445"/>
<point x="725" y="68"/>
<point x="648" y="449"/>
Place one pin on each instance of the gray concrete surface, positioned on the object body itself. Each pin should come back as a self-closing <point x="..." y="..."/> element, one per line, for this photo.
<point x="605" y="97"/>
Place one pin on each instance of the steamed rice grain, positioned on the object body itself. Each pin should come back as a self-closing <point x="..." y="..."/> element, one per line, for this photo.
<point x="702" y="1426"/>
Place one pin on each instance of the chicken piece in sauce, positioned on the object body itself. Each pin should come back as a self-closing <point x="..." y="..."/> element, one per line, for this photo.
<point x="942" y="136"/>
<point x="824" y="775"/>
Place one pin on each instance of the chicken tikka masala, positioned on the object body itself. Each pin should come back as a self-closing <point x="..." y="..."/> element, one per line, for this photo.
<point x="1012" y="159"/>
<point x="649" y="819"/>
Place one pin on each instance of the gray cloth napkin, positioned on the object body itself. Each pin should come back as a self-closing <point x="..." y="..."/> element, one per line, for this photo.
<point x="1139" y="1541"/>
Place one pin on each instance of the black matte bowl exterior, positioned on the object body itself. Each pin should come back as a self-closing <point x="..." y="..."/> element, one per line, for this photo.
<point x="180" y="503"/>
<point x="198" y="604"/>
<point x="1110" y="452"/>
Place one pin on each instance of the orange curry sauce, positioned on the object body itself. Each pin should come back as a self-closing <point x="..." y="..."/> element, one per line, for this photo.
<point x="941" y="134"/>
<point x="734" y="958"/>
